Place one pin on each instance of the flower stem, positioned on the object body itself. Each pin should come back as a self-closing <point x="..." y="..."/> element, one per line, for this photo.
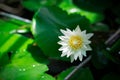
<point x="15" y="17"/>
<point x="78" y="67"/>
<point x="113" y="38"/>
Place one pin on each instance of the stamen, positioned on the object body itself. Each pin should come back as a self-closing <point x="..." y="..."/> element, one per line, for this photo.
<point x="75" y="42"/>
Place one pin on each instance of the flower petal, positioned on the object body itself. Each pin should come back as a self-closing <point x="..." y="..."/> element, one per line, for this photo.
<point x="72" y="58"/>
<point x="63" y="37"/>
<point x="71" y="52"/>
<point x="86" y="41"/>
<point x="89" y="35"/>
<point x="76" y="56"/>
<point x="64" y="52"/>
<point x="62" y="43"/>
<point x="62" y="48"/>
<point x="63" y="31"/>
<point x="77" y="29"/>
<point x="68" y="30"/>
<point x="83" y="53"/>
<point x="80" y="57"/>
<point x="88" y="47"/>
<point x="66" y="33"/>
<point x="84" y="32"/>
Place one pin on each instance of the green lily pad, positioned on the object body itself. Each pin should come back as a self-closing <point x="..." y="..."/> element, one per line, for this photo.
<point x="21" y="64"/>
<point x="81" y="74"/>
<point x="46" y="28"/>
<point x="71" y="8"/>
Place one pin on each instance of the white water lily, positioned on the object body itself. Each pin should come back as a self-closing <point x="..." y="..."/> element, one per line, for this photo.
<point x="74" y="44"/>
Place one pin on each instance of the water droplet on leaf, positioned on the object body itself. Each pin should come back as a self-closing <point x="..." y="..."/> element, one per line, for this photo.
<point x="24" y="69"/>
<point x="43" y="77"/>
<point x="33" y="65"/>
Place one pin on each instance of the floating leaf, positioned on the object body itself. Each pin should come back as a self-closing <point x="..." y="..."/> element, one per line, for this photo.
<point x="112" y="52"/>
<point x="100" y="27"/>
<point x="5" y="26"/>
<point x="99" y="60"/>
<point x="47" y="24"/>
<point x="63" y="74"/>
<point x="94" y="5"/>
<point x="21" y="64"/>
<point x="46" y="77"/>
<point x="71" y="8"/>
<point x="38" y="4"/>
<point x="81" y="74"/>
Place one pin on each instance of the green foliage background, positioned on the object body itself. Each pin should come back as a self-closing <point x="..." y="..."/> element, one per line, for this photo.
<point x="29" y="50"/>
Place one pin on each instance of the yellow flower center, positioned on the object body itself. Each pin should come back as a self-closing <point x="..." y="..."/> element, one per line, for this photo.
<point x="75" y="42"/>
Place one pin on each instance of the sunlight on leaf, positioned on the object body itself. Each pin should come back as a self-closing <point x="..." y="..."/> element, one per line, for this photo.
<point x="68" y="6"/>
<point x="17" y="62"/>
<point x="22" y="64"/>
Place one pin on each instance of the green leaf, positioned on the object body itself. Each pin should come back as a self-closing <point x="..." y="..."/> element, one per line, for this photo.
<point x="112" y="52"/>
<point x="13" y="26"/>
<point x="20" y="59"/>
<point x="71" y="8"/>
<point x="7" y="41"/>
<point x="100" y="27"/>
<point x="12" y="42"/>
<point x="22" y="68"/>
<point x="46" y="77"/>
<point x="115" y="46"/>
<point x="22" y="64"/>
<point x="38" y="4"/>
<point x="63" y="74"/>
<point x="46" y="28"/>
<point x="5" y="25"/>
<point x="111" y="76"/>
<point x="99" y="60"/>
<point x="81" y="74"/>
<point x="94" y="5"/>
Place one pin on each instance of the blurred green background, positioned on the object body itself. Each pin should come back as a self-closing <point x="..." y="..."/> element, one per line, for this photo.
<point x="29" y="31"/>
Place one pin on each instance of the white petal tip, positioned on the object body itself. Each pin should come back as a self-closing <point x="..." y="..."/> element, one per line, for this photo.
<point x="72" y="61"/>
<point x="67" y="49"/>
<point x="77" y="29"/>
<point x="89" y="35"/>
<point x="78" y="26"/>
<point x="62" y="55"/>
